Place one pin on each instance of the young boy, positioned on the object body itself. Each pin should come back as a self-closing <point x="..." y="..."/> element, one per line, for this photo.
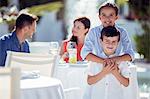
<point x="106" y="79"/>
<point x="108" y="14"/>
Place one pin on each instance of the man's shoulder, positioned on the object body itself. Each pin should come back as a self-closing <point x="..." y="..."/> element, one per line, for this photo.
<point x="6" y="38"/>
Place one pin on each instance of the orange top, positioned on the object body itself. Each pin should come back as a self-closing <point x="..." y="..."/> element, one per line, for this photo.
<point x="79" y="47"/>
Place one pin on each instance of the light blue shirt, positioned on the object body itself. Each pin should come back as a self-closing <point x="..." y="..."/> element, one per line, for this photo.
<point x="92" y="43"/>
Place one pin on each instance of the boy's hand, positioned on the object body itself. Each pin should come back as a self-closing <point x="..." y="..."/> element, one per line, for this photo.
<point x="115" y="71"/>
<point x="107" y="67"/>
<point x="112" y="61"/>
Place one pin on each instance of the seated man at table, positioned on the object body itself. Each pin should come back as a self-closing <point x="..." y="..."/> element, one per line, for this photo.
<point x="16" y="41"/>
<point x="108" y="79"/>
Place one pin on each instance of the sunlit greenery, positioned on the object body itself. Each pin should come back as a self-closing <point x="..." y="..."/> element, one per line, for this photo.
<point x="121" y="2"/>
<point x="39" y="9"/>
<point x="36" y="10"/>
<point x="141" y="11"/>
<point x="141" y="8"/>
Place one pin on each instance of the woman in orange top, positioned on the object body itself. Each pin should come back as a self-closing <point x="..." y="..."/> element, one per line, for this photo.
<point x="79" y="31"/>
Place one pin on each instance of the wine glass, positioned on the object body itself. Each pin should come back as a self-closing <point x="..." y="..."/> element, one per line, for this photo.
<point x="54" y="46"/>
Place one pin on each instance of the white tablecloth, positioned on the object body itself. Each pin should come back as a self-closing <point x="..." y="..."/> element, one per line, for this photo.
<point x="41" y="88"/>
<point x="73" y="76"/>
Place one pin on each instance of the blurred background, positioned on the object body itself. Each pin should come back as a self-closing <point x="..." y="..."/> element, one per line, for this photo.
<point x="56" y="20"/>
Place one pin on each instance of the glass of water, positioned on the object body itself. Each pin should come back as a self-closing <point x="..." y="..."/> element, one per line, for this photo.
<point x="54" y="46"/>
<point x="71" y="48"/>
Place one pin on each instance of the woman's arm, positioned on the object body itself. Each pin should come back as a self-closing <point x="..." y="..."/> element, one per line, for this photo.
<point x="61" y="49"/>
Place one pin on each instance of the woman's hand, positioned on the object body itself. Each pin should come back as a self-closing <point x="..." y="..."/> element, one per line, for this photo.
<point x="65" y="55"/>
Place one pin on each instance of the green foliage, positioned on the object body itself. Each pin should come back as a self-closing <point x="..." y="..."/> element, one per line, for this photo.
<point x="121" y="2"/>
<point x="39" y="9"/>
<point x="3" y="3"/>
<point x="143" y="43"/>
<point x="36" y="10"/>
<point x="141" y="8"/>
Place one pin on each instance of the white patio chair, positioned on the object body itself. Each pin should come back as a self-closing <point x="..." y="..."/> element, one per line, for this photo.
<point x="46" y="64"/>
<point x="44" y="47"/>
<point x="30" y="62"/>
<point x="132" y="90"/>
<point x="9" y="83"/>
<point x="39" y="47"/>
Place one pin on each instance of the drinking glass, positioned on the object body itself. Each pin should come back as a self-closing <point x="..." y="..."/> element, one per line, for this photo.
<point x="54" y="46"/>
<point x="71" y="48"/>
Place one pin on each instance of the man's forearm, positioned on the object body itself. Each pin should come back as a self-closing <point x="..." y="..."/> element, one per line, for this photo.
<point x="94" y="58"/>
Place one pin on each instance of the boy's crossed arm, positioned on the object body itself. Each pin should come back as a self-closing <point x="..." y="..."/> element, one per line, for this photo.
<point x="109" y="66"/>
<point x="95" y="78"/>
<point x="116" y="72"/>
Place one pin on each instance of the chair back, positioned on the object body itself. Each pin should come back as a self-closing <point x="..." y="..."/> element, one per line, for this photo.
<point x="39" y="47"/>
<point x="44" y="47"/>
<point x="132" y="90"/>
<point x="44" y="63"/>
<point x="9" y="83"/>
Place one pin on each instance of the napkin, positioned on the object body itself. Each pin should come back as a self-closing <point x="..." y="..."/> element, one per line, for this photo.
<point x="30" y="74"/>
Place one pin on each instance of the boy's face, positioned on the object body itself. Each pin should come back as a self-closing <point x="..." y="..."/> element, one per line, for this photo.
<point x="109" y="44"/>
<point x="108" y="16"/>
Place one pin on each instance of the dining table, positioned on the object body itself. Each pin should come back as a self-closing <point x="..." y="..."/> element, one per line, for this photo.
<point x="73" y="76"/>
<point x="41" y="88"/>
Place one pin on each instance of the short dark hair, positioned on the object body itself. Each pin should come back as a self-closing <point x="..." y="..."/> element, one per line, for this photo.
<point x="110" y="31"/>
<point x="24" y="20"/>
<point x="111" y="5"/>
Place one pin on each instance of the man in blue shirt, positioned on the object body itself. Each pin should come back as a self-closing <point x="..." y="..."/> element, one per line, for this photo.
<point x="108" y="14"/>
<point x="16" y="41"/>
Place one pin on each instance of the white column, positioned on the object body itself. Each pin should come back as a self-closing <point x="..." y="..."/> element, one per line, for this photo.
<point x="80" y="8"/>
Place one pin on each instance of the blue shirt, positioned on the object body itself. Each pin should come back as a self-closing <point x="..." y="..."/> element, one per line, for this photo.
<point x="92" y="43"/>
<point x="11" y="43"/>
